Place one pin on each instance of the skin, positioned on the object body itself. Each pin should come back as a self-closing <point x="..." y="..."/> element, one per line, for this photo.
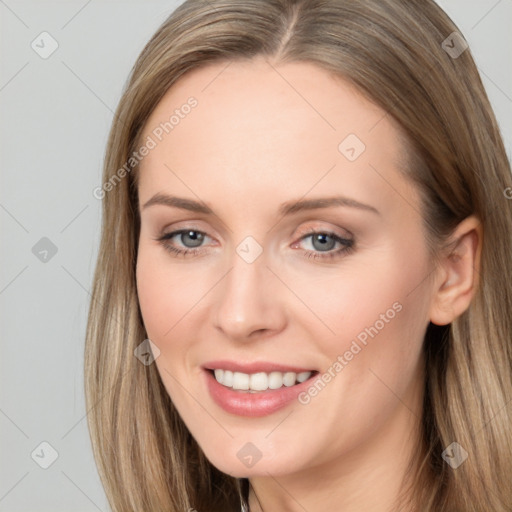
<point x="263" y="134"/>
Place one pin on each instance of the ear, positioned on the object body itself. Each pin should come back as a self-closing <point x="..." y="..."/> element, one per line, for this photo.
<point x="458" y="272"/>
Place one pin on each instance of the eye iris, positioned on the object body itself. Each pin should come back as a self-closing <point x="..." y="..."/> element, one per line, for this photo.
<point x="324" y="245"/>
<point x="194" y="236"/>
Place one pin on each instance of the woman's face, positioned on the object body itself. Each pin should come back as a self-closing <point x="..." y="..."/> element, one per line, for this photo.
<point x="261" y="159"/>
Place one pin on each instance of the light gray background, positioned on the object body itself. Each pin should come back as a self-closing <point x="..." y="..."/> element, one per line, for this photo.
<point x="55" y="116"/>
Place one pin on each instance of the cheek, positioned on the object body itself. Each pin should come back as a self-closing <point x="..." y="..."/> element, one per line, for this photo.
<point x="379" y="318"/>
<point x="166" y="293"/>
<point x="156" y="305"/>
<point x="166" y="297"/>
<point x="374" y="316"/>
<point x="366" y="296"/>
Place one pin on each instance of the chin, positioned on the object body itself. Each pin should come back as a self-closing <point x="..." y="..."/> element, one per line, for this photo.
<point x="241" y="466"/>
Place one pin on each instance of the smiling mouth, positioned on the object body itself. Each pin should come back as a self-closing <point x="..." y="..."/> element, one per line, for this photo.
<point x="261" y="381"/>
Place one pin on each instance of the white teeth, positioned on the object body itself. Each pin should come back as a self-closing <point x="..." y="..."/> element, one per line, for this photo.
<point x="240" y="380"/>
<point x="275" y="380"/>
<point x="227" y="378"/>
<point x="289" y="379"/>
<point x="301" y="377"/>
<point x="260" y="381"/>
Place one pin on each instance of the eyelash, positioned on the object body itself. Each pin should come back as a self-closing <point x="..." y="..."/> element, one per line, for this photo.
<point x="348" y="245"/>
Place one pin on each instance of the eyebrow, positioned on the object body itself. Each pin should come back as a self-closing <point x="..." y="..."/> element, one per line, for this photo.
<point x="287" y="208"/>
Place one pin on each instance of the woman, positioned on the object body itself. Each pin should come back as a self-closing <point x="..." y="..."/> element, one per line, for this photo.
<point x="301" y="298"/>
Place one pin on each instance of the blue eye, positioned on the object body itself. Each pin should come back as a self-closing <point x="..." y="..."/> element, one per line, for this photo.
<point x="323" y="243"/>
<point x="196" y="238"/>
<point x="186" y="236"/>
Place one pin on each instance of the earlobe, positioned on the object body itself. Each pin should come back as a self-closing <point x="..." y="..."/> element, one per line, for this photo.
<point x="458" y="273"/>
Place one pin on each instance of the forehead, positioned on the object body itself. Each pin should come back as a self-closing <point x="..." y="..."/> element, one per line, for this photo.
<point x="256" y="125"/>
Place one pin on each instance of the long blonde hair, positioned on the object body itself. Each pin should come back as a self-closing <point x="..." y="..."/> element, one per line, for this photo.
<point x="392" y="51"/>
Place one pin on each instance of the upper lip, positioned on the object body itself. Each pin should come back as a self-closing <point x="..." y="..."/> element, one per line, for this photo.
<point x="254" y="367"/>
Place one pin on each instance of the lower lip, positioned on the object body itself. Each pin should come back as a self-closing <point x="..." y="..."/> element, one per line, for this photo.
<point x="256" y="404"/>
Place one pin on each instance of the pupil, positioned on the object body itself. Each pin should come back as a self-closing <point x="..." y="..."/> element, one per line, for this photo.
<point x="195" y="236"/>
<point x="324" y="245"/>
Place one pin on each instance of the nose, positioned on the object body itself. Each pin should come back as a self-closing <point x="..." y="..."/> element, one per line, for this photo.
<point x="249" y="301"/>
